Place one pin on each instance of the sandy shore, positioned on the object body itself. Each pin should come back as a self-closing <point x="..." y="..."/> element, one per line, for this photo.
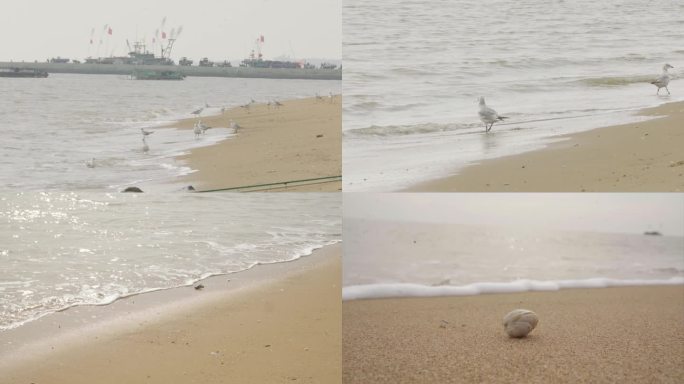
<point x="300" y="140"/>
<point x="272" y="324"/>
<point x="639" y="157"/>
<point x="609" y="335"/>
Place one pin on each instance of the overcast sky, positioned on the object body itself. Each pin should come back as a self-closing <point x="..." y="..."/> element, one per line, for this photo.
<point x="603" y="212"/>
<point x="218" y="29"/>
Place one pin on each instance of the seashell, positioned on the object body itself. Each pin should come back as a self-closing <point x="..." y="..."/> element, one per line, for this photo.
<point x="520" y="322"/>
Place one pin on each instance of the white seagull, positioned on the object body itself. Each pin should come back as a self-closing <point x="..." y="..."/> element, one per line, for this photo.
<point x="197" y="129"/>
<point x="488" y="115"/>
<point x="197" y="111"/>
<point x="235" y="126"/>
<point x="663" y="80"/>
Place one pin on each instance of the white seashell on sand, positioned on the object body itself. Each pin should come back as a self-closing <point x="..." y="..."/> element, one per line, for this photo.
<point x="520" y="322"/>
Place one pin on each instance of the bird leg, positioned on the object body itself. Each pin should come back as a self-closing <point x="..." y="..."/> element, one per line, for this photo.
<point x="668" y="91"/>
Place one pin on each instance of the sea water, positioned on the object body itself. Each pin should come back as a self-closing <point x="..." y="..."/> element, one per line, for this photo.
<point x="61" y="249"/>
<point x="387" y="258"/>
<point x="413" y="71"/>
<point x="52" y="127"/>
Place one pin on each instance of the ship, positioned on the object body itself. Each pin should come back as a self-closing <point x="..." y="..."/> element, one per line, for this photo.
<point x="157" y="75"/>
<point x="22" y="72"/>
<point x="139" y="55"/>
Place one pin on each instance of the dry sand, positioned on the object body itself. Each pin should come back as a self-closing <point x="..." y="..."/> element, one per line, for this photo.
<point x="300" y="140"/>
<point x="609" y="335"/>
<point x="638" y="157"/>
<point x="284" y="330"/>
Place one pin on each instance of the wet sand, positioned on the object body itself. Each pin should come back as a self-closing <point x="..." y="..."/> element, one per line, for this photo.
<point x="298" y="141"/>
<point x="606" y="335"/>
<point x="271" y="324"/>
<point x="639" y="157"/>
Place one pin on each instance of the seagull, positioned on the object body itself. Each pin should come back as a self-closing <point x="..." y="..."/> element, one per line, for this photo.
<point x="91" y="163"/>
<point x="145" y="133"/>
<point x="197" y="129"/>
<point x="223" y="110"/>
<point x="663" y="80"/>
<point x="235" y="126"/>
<point x="488" y="115"/>
<point x="203" y="127"/>
<point x="277" y="104"/>
<point x="246" y="107"/>
<point x="319" y="97"/>
<point x="197" y="111"/>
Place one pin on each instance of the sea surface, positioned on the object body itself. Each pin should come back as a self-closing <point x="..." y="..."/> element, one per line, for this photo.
<point x="61" y="249"/>
<point x="52" y="127"/>
<point x="405" y="259"/>
<point x="413" y="71"/>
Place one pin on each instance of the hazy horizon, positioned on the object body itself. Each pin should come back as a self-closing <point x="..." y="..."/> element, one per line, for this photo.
<point x="210" y="28"/>
<point x="618" y="213"/>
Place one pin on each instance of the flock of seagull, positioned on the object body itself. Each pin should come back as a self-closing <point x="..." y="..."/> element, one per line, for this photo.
<point x="199" y="128"/>
<point x="489" y="116"/>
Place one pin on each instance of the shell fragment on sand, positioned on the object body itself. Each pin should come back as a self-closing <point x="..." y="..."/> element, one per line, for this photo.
<point x="520" y="322"/>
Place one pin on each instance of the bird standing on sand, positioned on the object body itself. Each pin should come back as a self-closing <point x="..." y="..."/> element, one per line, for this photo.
<point x="488" y="115"/>
<point x="197" y="111"/>
<point x="145" y="133"/>
<point x="203" y="127"/>
<point x="234" y="126"/>
<point x="197" y="129"/>
<point x="663" y="80"/>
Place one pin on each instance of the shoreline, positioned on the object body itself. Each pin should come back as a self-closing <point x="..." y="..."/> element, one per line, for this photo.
<point x="643" y="156"/>
<point x="203" y="334"/>
<point x="412" y="290"/>
<point x="301" y="140"/>
<point x="627" y="334"/>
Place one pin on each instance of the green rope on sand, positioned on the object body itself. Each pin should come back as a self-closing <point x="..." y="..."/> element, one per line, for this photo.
<point x="281" y="184"/>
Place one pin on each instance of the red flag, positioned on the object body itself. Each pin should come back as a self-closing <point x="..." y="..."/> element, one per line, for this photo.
<point x="109" y="32"/>
<point x="163" y="35"/>
<point x="262" y="38"/>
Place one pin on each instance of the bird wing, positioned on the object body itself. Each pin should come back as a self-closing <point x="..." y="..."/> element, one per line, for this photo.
<point x="662" y="80"/>
<point x="488" y="114"/>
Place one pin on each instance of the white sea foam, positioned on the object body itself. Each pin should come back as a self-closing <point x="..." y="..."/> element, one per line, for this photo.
<point x="383" y="291"/>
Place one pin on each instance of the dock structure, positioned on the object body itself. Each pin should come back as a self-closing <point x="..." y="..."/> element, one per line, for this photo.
<point x="127" y="69"/>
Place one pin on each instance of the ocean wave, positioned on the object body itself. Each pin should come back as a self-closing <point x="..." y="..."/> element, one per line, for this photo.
<point x="616" y="81"/>
<point x="383" y="291"/>
<point x="402" y="130"/>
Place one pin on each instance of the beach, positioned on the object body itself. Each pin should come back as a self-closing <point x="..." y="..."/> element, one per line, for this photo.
<point x="271" y="324"/>
<point x="639" y="157"/>
<point x="627" y="334"/>
<point x="301" y="140"/>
